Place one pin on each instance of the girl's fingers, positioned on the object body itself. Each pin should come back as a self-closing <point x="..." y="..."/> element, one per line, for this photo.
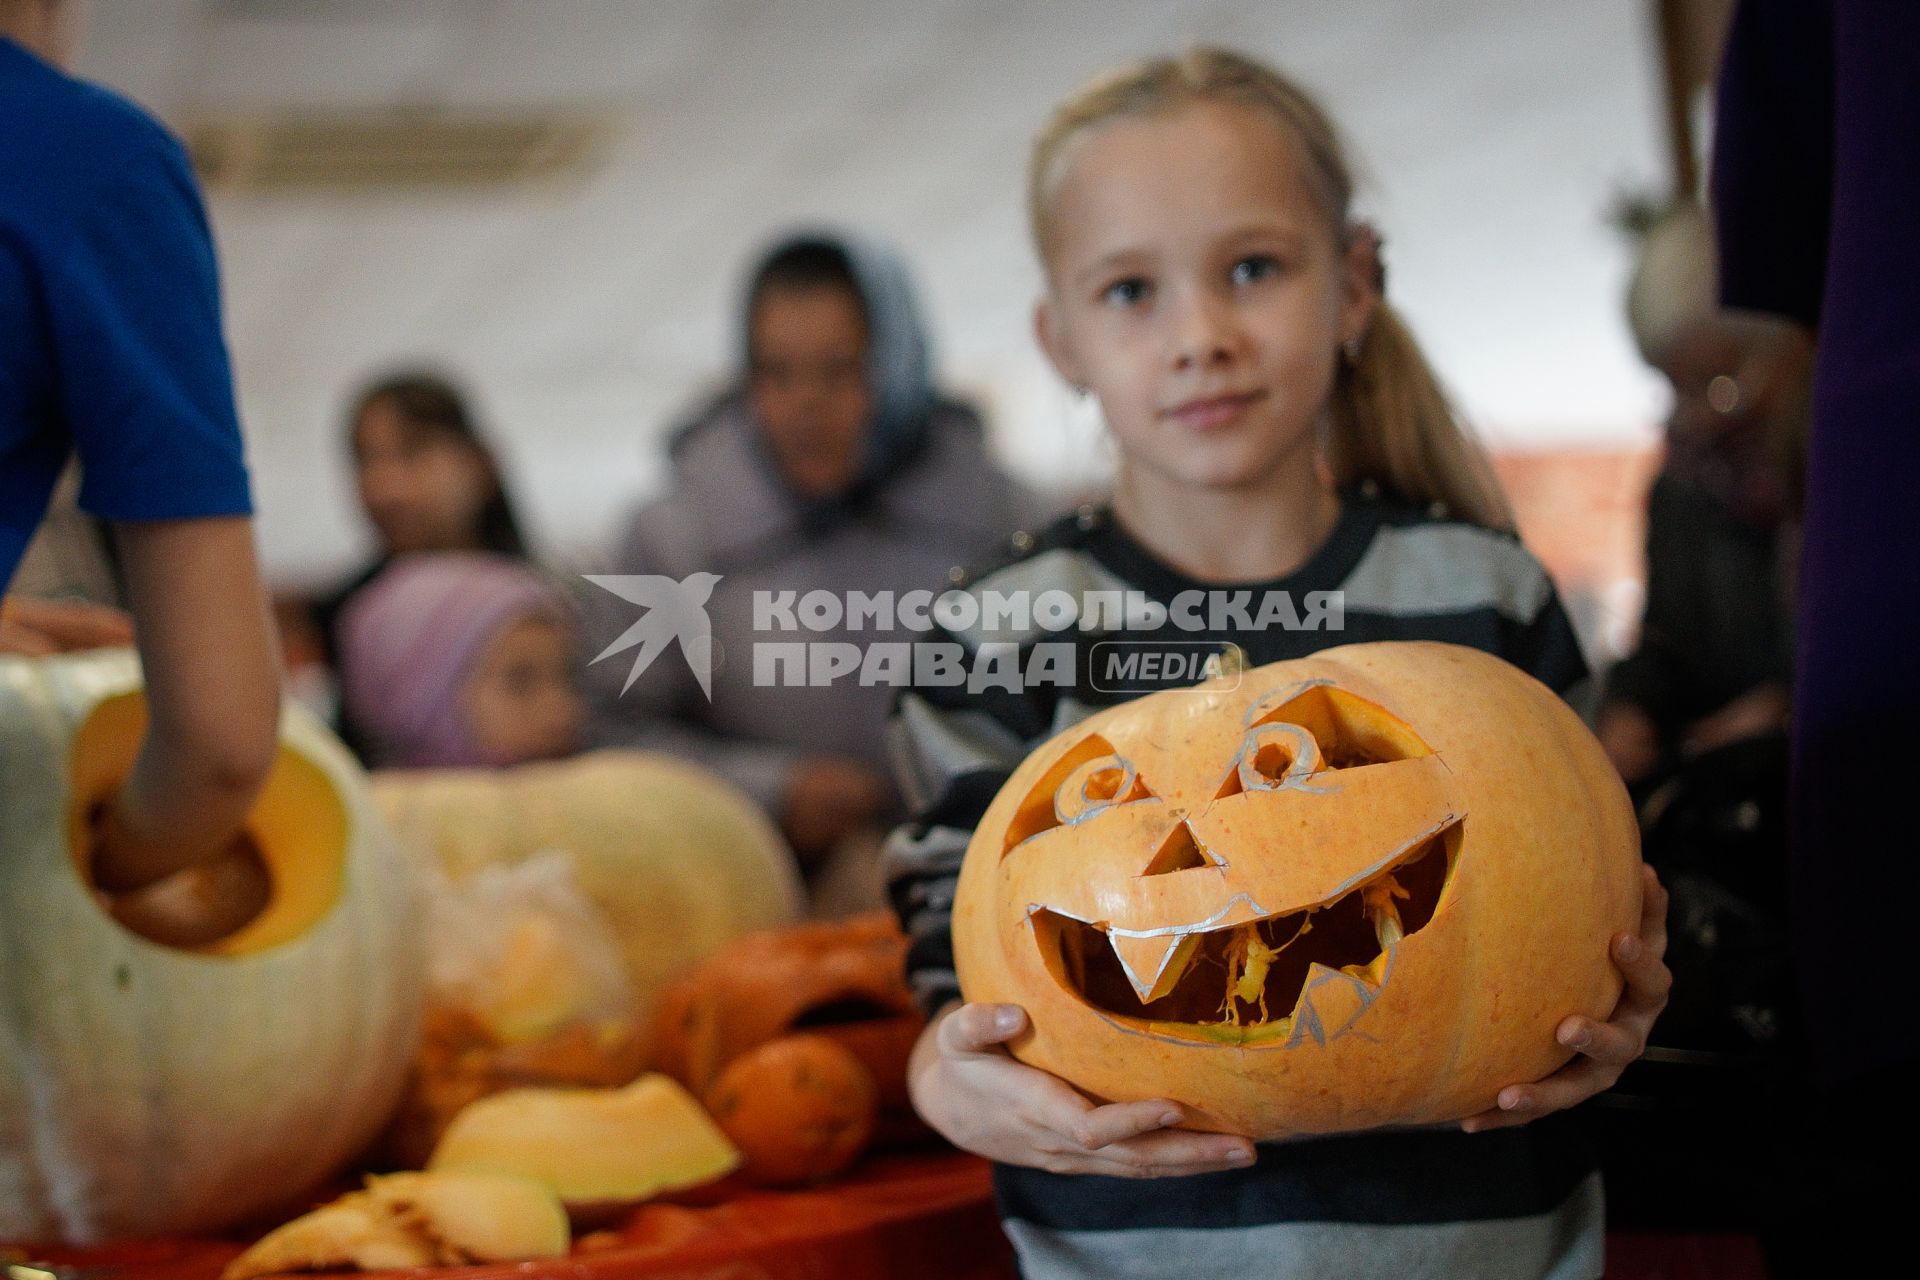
<point x="1608" y="1051"/>
<point x="1605" y="1049"/>
<point x="1099" y="1127"/>
<point x="976" y="1028"/>
<point x="1171" y="1153"/>
<point x="1568" y="1087"/>
<point x="1653" y="912"/>
<point x="1494" y="1118"/>
<point x="1614" y="1044"/>
<point x="1517" y="1104"/>
<point x="1648" y="978"/>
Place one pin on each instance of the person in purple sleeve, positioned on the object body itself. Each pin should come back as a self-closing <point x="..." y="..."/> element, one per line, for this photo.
<point x="1817" y="187"/>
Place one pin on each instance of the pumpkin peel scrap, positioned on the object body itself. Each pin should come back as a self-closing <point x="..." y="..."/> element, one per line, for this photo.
<point x="844" y="979"/>
<point x="415" y="1220"/>
<point x="600" y="1150"/>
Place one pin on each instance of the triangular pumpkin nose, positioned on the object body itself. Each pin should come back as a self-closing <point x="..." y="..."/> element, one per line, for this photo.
<point x="1179" y="852"/>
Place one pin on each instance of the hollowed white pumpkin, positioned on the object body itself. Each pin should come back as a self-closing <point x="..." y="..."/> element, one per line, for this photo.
<point x="145" y="1089"/>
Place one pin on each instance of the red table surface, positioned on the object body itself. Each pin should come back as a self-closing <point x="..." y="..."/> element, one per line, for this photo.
<point x="923" y="1215"/>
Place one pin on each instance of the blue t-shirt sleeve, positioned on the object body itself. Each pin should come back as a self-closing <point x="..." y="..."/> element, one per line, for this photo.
<point x="142" y="377"/>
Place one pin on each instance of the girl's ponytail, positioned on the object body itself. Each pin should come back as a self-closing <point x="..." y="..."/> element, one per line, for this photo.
<point x="1393" y="426"/>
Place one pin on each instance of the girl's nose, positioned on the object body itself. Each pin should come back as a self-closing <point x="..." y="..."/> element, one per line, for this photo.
<point x="1201" y="335"/>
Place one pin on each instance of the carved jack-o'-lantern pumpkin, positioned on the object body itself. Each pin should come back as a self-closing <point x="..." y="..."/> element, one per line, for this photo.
<point x="1357" y="889"/>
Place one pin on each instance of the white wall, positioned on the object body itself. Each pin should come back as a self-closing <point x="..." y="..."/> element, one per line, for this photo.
<point x="1495" y="133"/>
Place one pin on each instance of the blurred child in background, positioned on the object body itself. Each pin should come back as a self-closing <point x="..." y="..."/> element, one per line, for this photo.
<point x="454" y="659"/>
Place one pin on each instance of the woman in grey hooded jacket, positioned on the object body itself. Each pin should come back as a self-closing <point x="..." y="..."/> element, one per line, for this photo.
<point x="831" y="465"/>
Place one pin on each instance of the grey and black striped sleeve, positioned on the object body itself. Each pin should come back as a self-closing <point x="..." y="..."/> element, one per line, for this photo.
<point x="951" y="757"/>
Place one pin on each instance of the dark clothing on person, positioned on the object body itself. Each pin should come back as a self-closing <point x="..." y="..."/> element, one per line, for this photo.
<point x="1717" y="624"/>
<point x="1817" y="180"/>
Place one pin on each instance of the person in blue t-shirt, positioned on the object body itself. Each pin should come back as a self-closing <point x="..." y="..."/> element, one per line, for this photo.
<point x="111" y="350"/>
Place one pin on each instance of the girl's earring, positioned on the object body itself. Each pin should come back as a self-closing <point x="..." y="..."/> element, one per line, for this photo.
<point x="1352" y="349"/>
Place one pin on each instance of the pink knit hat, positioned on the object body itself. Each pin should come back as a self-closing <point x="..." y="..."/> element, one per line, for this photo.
<point x="409" y="639"/>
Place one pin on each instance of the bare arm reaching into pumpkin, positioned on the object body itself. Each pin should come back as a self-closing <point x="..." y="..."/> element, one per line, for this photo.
<point x="213" y="688"/>
<point x="120" y="361"/>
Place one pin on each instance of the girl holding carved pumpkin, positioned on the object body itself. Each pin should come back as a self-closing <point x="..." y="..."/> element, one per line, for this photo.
<point x="1277" y="430"/>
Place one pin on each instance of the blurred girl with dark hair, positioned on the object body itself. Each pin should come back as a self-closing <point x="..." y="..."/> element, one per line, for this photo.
<point x="427" y="480"/>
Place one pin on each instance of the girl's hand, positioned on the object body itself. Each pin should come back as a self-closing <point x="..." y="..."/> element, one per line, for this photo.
<point x="982" y="1100"/>
<point x="1605" y="1048"/>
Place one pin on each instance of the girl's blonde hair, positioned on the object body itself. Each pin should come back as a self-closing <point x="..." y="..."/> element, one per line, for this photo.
<point x="1391" y="424"/>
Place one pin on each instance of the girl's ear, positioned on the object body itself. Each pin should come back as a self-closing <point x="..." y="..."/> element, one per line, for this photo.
<point x="1046" y="328"/>
<point x="1362" y="276"/>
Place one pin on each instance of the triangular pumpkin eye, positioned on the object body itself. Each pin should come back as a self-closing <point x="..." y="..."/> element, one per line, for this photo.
<point x="1349" y="731"/>
<point x="1087" y="779"/>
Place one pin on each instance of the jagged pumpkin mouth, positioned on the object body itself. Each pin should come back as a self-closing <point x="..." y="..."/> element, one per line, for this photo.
<point x="1254" y="980"/>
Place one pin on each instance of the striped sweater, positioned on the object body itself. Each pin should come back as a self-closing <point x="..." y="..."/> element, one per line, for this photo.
<point x="1515" y="1203"/>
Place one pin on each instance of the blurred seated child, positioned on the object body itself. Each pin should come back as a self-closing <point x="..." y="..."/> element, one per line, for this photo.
<point x="451" y="659"/>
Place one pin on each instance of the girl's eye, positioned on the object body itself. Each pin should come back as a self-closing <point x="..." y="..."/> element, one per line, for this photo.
<point x="1254" y="269"/>
<point x="1125" y="293"/>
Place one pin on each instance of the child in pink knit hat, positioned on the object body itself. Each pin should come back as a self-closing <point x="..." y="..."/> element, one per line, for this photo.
<point x="452" y="659"/>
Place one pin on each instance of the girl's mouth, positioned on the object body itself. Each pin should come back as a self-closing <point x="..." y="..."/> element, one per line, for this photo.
<point x="1209" y="412"/>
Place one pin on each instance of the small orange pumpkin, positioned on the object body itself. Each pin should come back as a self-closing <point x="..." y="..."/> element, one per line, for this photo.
<point x="1357" y="889"/>
<point x="845" y="980"/>
<point x="800" y="1108"/>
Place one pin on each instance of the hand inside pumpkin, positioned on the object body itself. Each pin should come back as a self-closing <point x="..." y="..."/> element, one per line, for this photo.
<point x="1604" y="1049"/>
<point x="982" y="1100"/>
<point x="200" y="905"/>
